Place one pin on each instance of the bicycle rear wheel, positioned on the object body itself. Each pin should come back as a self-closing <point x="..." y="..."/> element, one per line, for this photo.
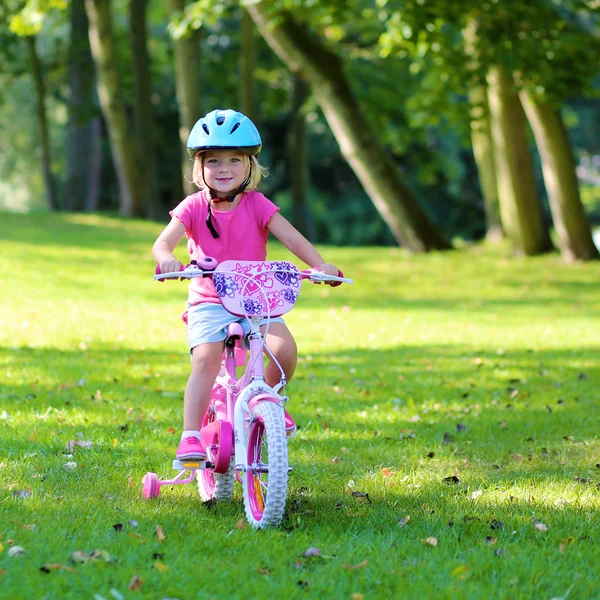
<point x="265" y="482"/>
<point x="211" y="485"/>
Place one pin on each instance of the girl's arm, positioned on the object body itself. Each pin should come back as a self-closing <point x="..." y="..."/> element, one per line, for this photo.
<point x="167" y="241"/>
<point x="295" y="242"/>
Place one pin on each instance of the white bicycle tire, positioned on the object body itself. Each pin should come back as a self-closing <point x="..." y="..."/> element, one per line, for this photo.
<point x="272" y="418"/>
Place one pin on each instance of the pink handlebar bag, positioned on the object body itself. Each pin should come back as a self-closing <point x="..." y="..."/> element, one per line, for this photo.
<point x="257" y="288"/>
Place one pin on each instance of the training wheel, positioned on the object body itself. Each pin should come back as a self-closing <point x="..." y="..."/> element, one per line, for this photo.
<point x="151" y="486"/>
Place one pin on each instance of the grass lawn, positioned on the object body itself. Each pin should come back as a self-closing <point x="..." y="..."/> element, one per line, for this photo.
<point x="448" y="407"/>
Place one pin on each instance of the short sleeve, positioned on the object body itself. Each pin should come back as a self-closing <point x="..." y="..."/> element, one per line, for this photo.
<point x="264" y="209"/>
<point x="183" y="212"/>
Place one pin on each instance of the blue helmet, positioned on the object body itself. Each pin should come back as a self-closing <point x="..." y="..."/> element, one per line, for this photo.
<point x="224" y="130"/>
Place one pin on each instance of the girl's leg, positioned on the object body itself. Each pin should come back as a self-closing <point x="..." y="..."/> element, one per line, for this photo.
<point x="206" y="362"/>
<point x="282" y="344"/>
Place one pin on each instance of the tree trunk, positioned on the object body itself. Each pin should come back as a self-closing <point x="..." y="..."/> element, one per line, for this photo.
<point x="306" y="56"/>
<point x="83" y="127"/>
<point x="187" y="81"/>
<point x="143" y="114"/>
<point x="93" y="193"/>
<point x="104" y="51"/>
<point x="247" y="62"/>
<point x="40" y="92"/>
<point x="519" y="203"/>
<point x="558" y="165"/>
<point x="297" y="160"/>
<point x="483" y="151"/>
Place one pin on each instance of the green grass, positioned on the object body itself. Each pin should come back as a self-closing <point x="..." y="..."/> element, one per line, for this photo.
<point x="92" y="349"/>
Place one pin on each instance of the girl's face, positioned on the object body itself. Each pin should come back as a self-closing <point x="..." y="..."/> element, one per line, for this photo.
<point x="224" y="170"/>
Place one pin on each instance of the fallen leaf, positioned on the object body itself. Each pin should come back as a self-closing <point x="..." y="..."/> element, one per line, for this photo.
<point x="20" y="494"/>
<point x="357" y="596"/>
<point x="118" y="526"/>
<point x="540" y="526"/>
<point x="430" y="541"/>
<point x="362" y="496"/>
<point x="451" y="479"/>
<point x="386" y="472"/>
<point x="72" y="444"/>
<point x="497" y="524"/>
<point x="16" y="551"/>
<point x="160" y="534"/>
<point x="161" y="567"/>
<point x="136" y="583"/>
<point x="476" y="494"/>
<point x="490" y="540"/>
<point x="263" y="571"/>
<point x="360" y="565"/>
<point x="460" y="427"/>
<point x="312" y="551"/>
<point x="461" y="570"/>
<point x="55" y="567"/>
<point x="70" y="466"/>
<point x="404" y="521"/>
<point x="447" y="439"/>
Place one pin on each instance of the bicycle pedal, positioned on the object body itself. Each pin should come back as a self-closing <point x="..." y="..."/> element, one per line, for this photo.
<point x="188" y="465"/>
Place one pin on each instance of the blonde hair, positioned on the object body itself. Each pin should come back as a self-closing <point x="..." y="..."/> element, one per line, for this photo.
<point x="258" y="171"/>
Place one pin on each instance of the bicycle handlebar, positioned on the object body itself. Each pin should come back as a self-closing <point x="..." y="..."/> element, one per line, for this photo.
<point x="192" y="270"/>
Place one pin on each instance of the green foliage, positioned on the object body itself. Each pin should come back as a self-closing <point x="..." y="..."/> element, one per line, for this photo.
<point x="468" y="416"/>
<point x="30" y="19"/>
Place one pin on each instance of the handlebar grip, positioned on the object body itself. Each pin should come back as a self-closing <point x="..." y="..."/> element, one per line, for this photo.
<point x="336" y="283"/>
<point x="157" y="272"/>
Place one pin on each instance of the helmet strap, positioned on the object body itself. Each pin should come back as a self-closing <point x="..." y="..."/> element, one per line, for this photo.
<point x="216" y="199"/>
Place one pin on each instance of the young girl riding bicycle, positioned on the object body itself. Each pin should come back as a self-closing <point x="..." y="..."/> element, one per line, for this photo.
<point x="228" y="220"/>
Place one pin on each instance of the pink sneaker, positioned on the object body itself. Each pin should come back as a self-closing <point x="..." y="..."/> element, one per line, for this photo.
<point x="191" y="448"/>
<point x="290" y="425"/>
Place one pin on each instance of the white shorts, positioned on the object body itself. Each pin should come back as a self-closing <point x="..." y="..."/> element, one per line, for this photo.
<point x="208" y="323"/>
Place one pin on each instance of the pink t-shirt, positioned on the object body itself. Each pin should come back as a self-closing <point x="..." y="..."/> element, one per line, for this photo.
<point x="242" y="233"/>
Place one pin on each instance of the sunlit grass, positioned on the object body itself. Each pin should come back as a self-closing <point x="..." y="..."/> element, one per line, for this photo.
<point x="459" y="391"/>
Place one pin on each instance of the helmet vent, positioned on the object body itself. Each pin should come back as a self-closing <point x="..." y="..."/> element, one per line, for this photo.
<point x="234" y="127"/>
<point x="220" y="120"/>
<point x="205" y="129"/>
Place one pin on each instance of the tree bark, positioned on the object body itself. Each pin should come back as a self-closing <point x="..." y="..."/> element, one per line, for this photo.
<point x="483" y="151"/>
<point x="187" y="81"/>
<point x="519" y="203"/>
<point x="83" y="128"/>
<point x="247" y="62"/>
<point x="558" y="165"/>
<point x="142" y="110"/>
<point x="297" y="160"/>
<point x="42" y="118"/>
<point x="104" y="51"/>
<point x="306" y="56"/>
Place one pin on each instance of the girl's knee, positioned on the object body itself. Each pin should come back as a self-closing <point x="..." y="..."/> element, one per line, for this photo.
<point x="207" y="357"/>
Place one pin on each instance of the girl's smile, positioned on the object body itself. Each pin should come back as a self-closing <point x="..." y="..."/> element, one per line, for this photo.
<point x="224" y="170"/>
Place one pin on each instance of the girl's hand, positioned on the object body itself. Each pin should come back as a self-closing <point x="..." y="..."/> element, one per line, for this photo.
<point x="329" y="270"/>
<point x="170" y="265"/>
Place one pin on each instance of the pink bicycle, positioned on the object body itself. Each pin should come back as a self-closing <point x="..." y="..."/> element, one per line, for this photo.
<point x="245" y="429"/>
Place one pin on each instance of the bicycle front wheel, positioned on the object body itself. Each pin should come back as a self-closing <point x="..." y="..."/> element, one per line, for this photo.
<point x="265" y="482"/>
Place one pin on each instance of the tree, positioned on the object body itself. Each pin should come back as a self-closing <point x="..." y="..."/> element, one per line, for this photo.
<point x="83" y="135"/>
<point x="558" y="165"/>
<point x="305" y="55"/>
<point x="519" y="203"/>
<point x="187" y="78"/>
<point x="143" y="113"/>
<point x="104" y="51"/>
<point x="28" y="23"/>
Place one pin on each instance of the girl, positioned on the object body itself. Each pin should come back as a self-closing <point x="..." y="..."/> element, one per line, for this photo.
<point x="227" y="220"/>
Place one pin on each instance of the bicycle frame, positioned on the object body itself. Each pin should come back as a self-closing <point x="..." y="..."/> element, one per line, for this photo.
<point x="250" y="411"/>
